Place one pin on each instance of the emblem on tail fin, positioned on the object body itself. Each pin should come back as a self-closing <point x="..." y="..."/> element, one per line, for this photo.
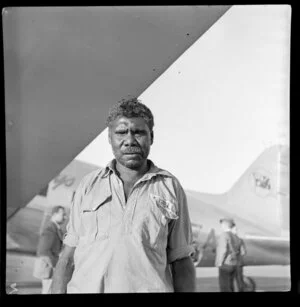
<point x="261" y="182"/>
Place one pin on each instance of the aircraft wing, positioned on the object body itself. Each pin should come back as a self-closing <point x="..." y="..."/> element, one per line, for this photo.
<point x="65" y="66"/>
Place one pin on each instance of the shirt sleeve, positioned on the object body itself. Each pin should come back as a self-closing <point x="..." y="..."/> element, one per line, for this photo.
<point x="71" y="237"/>
<point x="180" y="235"/>
<point x="221" y="250"/>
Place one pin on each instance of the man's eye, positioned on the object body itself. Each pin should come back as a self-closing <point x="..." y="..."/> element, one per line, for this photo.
<point x="121" y="132"/>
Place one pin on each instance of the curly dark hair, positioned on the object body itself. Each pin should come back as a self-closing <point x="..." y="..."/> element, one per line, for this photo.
<point x="131" y="108"/>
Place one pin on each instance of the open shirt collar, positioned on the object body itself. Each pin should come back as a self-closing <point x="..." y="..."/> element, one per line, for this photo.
<point x="153" y="171"/>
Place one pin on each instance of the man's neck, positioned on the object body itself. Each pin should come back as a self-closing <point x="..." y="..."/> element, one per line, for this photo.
<point x="130" y="175"/>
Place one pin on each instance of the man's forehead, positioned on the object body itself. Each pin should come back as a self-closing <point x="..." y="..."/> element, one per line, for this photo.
<point x="129" y="121"/>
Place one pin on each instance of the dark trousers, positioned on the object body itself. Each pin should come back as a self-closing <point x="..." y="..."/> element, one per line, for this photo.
<point x="227" y="275"/>
<point x="240" y="278"/>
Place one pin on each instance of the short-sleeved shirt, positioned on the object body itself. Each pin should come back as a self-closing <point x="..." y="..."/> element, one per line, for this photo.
<point x="127" y="246"/>
<point x="230" y="250"/>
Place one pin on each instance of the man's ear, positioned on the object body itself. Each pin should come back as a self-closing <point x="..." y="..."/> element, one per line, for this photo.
<point x="152" y="137"/>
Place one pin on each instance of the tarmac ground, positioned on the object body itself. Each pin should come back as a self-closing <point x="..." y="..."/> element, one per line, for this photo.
<point x="274" y="278"/>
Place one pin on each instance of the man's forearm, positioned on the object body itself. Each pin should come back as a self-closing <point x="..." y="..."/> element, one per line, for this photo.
<point x="63" y="271"/>
<point x="184" y="276"/>
<point x="62" y="275"/>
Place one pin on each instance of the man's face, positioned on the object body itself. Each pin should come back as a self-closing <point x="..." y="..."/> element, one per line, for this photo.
<point x="130" y="139"/>
<point x="60" y="216"/>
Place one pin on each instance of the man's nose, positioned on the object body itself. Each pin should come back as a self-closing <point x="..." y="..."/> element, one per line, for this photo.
<point x="130" y="139"/>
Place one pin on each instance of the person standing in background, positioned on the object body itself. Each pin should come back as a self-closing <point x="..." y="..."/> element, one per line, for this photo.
<point x="243" y="251"/>
<point x="228" y="257"/>
<point x="49" y="247"/>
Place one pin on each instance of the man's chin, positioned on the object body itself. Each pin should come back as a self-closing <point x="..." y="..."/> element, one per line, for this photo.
<point x="133" y="163"/>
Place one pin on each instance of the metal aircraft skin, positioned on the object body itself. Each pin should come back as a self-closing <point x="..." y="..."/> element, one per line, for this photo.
<point x="267" y="243"/>
<point x="64" y="67"/>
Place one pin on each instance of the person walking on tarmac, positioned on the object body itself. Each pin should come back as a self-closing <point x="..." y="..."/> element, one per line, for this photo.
<point x="243" y="251"/>
<point x="229" y="257"/>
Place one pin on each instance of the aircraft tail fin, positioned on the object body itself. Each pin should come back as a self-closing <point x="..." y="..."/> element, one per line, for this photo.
<point x="284" y="191"/>
<point x="262" y="193"/>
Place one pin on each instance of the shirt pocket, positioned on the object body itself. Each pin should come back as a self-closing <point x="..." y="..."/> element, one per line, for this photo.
<point x="96" y="217"/>
<point x="153" y="223"/>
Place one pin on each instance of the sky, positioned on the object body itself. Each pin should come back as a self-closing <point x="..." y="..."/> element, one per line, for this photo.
<point x="221" y="103"/>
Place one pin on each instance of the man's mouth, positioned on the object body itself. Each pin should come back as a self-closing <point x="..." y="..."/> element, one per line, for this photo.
<point x="132" y="152"/>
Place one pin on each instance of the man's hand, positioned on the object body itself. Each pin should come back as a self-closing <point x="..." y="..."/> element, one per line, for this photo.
<point x="184" y="277"/>
<point x="63" y="271"/>
<point x="47" y="260"/>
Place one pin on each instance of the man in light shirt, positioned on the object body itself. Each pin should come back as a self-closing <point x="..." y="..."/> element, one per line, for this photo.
<point x="129" y="227"/>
